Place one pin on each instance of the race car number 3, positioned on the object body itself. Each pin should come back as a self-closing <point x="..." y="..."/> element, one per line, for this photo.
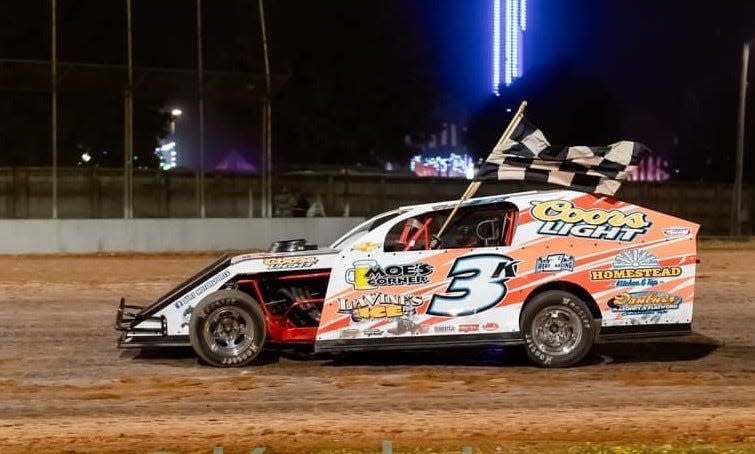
<point x="479" y="283"/>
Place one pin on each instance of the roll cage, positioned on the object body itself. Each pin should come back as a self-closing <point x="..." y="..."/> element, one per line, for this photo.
<point x="473" y="226"/>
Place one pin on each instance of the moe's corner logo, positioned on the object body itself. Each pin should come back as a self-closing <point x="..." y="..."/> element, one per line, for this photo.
<point x="644" y="303"/>
<point x="369" y="275"/>
<point x="562" y="218"/>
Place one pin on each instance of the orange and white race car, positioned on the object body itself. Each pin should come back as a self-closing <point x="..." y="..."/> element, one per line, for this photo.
<point x="551" y="270"/>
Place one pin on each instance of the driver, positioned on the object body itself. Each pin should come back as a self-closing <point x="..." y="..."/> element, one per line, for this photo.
<point x="486" y="232"/>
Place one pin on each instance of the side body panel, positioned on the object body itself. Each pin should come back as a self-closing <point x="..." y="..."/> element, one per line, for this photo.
<point x="407" y="294"/>
<point x="638" y="265"/>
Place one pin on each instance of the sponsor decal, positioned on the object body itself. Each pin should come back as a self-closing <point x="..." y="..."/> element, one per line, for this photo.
<point x="367" y="246"/>
<point x="554" y="262"/>
<point x="349" y="333"/>
<point x="406" y="325"/>
<point x="283" y="263"/>
<point x="676" y="231"/>
<point x="369" y="275"/>
<point x="490" y="326"/>
<point x="372" y="332"/>
<point x="562" y="218"/>
<point x="376" y="306"/>
<point x="469" y="328"/>
<point x="637" y="303"/>
<point x="201" y="289"/>
<point x="636" y="267"/>
<point x="444" y="329"/>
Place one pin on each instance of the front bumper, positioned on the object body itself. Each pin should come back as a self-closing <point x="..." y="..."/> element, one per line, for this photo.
<point x="129" y="321"/>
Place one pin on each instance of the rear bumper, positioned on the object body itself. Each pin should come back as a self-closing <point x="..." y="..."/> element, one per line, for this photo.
<point x="156" y="335"/>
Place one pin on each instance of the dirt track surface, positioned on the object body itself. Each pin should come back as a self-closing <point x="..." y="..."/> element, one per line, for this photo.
<point x="64" y="387"/>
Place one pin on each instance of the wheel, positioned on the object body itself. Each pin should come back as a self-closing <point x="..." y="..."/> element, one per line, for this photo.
<point x="558" y="329"/>
<point x="227" y="329"/>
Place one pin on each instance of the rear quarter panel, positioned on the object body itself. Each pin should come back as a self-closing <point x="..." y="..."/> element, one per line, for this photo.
<point x="638" y="264"/>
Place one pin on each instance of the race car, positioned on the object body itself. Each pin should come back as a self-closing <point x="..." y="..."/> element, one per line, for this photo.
<point x="553" y="270"/>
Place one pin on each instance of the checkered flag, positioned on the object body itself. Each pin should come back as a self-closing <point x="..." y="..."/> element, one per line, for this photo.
<point x="528" y="156"/>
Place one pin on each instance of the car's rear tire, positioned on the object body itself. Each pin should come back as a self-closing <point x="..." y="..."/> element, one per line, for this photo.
<point x="227" y="329"/>
<point x="558" y="329"/>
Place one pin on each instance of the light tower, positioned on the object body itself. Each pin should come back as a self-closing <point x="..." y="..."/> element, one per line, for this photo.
<point x="509" y="25"/>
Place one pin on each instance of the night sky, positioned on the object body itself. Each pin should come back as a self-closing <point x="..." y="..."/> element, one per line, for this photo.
<point x="657" y="58"/>
<point x="651" y="54"/>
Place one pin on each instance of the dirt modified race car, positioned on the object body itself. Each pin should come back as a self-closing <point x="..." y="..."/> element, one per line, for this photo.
<point x="552" y="270"/>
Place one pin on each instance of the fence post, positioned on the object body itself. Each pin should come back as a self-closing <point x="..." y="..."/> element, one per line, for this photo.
<point x="27" y="192"/>
<point x="381" y="194"/>
<point x="250" y="198"/>
<point x="331" y="195"/>
<point x="12" y="194"/>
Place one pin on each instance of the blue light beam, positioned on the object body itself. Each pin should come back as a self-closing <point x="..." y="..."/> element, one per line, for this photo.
<point x="507" y="58"/>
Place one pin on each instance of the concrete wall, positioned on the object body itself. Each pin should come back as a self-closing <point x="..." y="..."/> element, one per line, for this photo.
<point x="161" y="235"/>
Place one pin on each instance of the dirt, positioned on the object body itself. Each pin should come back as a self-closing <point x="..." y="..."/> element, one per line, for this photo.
<point x="65" y="387"/>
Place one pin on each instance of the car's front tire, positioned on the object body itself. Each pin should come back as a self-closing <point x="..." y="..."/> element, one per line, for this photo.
<point x="227" y="329"/>
<point x="558" y="329"/>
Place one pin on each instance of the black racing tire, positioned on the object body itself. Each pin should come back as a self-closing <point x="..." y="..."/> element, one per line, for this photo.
<point x="227" y="329"/>
<point x="558" y="329"/>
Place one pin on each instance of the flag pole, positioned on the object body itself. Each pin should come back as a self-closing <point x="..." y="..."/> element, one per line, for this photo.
<point x="475" y="185"/>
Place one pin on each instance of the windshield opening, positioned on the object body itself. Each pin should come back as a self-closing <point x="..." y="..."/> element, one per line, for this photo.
<point x="364" y="227"/>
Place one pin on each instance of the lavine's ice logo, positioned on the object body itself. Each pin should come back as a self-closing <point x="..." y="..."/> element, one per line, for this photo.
<point x="372" y="306"/>
<point x="562" y="218"/>
<point x="636" y="268"/>
<point x="554" y="263"/>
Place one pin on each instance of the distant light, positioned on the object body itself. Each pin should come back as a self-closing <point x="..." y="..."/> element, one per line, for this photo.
<point x="509" y="55"/>
<point x="176" y="112"/>
<point x="470" y="172"/>
<point x="167" y="155"/>
<point x="167" y="147"/>
<point x="452" y="166"/>
<point x="86" y="157"/>
<point x="496" y="46"/>
<point x="508" y="110"/>
<point x="507" y="48"/>
<point x="652" y="168"/>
